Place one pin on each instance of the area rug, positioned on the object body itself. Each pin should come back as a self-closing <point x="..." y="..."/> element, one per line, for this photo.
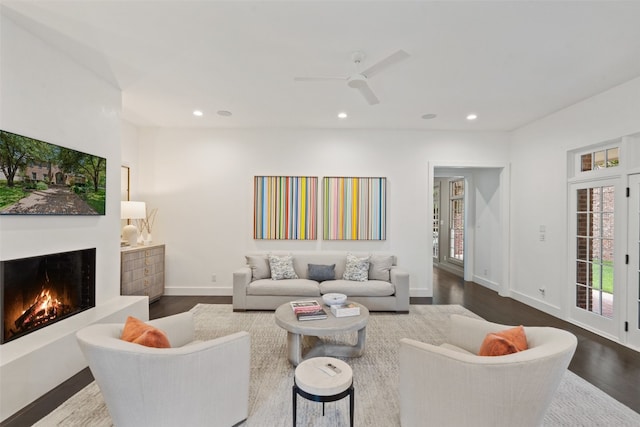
<point x="577" y="403"/>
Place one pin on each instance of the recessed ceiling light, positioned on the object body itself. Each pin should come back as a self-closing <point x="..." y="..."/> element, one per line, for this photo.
<point x="342" y="115"/>
<point x="197" y="113"/>
<point x="224" y="113"/>
<point x="429" y="116"/>
<point x="472" y="116"/>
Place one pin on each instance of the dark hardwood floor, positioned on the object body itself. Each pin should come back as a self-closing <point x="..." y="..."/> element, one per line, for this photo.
<point x="611" y="367"/>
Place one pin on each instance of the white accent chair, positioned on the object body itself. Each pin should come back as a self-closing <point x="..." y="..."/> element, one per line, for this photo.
<point x="449" y="385"/>
<point x="194" y="383"/>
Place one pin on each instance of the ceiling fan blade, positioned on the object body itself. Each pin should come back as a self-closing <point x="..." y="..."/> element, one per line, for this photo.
<point x="318" y="79"/>
<point x="368" y="94"/>
<point x="392" y="59"/>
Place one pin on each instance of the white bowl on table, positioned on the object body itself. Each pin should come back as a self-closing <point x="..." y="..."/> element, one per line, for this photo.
<point x="334" y="299"/>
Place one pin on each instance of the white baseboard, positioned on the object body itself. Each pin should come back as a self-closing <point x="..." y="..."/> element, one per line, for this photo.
<point x="198" y="291"/>
<point x="551" y="309"/>
<point x="413" y="292"/>
<point x="487" y="283"/>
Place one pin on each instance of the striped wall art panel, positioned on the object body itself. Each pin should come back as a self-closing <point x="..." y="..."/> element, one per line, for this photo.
<point x="354" y="208"/>
<point x="285" y="207"/>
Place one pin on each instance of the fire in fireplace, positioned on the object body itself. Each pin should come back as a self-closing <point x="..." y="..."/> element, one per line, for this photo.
<point x="38" y="291"/>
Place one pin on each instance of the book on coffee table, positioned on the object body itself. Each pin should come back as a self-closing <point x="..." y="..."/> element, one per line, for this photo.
<point x="312" y="315"/>
<point x="345" y="310"/>
<point x="305" y="306"/>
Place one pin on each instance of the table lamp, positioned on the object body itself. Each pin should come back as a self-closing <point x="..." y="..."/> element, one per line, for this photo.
<point x="132" y="210"/>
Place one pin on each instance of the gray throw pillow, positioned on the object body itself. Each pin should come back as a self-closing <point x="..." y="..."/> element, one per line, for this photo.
<point x="259" y="265"/>
<point x="356" y="269"/>
<point x="282" y="267"/>
<point x="320" y="273"/>
<point x="380" y="267"/>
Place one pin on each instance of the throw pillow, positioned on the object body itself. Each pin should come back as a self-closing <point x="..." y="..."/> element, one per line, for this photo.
<point x="356" y="269"/>
<point x="380" y="267"/>
<point x="504" y="342"/>
<point x="320" y="273"/>
<point x="282" y="267"/>
<point x="139" y="332"/>
<point x="259" y="265"/>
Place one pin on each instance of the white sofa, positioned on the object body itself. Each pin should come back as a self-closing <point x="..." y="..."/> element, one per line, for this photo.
<point x="194" y="383"/>
<point x="253" y="291"/>
<point x="450" y="385"/>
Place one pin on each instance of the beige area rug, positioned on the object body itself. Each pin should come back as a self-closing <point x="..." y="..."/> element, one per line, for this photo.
<point x="577" y="403"/>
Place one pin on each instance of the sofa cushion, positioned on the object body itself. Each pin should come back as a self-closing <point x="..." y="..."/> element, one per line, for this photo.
<point x="282" y="267"/>
<point x="380" y="267"/>
<point x="293" y="287"/>
<point x="357" y="268"/>
<point x="351" y="288"/>
<point x="320" y="272"/>
<point x="259" y="265"/>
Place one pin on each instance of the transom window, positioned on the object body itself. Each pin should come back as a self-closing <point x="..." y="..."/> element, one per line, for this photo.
<point x="600" y="159"/>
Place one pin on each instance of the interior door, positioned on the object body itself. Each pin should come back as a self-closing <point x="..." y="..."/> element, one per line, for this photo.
<point x="633" y="280"/>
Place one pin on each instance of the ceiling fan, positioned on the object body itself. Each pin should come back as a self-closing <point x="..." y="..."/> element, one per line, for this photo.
<point x="360" y="80"/>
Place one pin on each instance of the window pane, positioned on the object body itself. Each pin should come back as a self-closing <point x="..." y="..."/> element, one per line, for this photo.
<point x="607" y="225"/>
<point x="584" y="220"/>
<point x="585" y="161"/>
<point x="599" y="159"/>
<point x="583" y="200"/>
<point x="582" y="249"/>
<point x="613" y="157"/>
<point x="581" y="273"/>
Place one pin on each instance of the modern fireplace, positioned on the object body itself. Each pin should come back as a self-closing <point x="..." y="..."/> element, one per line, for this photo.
<point x="38" y="291"/>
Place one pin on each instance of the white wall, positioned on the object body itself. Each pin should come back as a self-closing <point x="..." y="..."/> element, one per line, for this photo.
<point x="44" y="95"/>
<point x="539" y="183"/>
<point x="202" y="183"/>
<point x="47" y="97"/>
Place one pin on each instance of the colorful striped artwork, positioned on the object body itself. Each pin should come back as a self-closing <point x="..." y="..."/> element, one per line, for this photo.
<point x="354" y="208"/>
<point x="285" y="207"/>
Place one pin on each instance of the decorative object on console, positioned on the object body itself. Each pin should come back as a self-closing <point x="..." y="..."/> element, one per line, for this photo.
<point x="284" y="207"/>
<point x="334" y="299"/>
<point x="45" y="174"/>
<point x="146" y="225"/>
<point x="135" y="211"/>
<point x="354" y="208"/>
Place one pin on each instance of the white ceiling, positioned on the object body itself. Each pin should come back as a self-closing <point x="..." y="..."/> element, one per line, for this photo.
<point x="509" y="62"/>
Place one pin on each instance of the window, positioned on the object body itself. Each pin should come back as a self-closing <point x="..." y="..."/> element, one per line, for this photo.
<point x="601" y="159"/>
<point x="456" y="219"/>
<point x="594" y="249"/>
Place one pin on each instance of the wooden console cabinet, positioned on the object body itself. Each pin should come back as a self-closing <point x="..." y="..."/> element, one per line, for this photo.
<point x="142" y="271"/>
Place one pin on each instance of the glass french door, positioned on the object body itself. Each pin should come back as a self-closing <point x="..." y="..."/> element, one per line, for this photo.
<point x="595" y="275"/>
<point x="633" y="279"/>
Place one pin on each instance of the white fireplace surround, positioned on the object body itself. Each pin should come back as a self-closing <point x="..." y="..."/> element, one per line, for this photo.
<point x="26" y="366"/>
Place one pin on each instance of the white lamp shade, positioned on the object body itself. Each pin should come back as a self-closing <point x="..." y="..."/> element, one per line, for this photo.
<point x="133" y="210"/>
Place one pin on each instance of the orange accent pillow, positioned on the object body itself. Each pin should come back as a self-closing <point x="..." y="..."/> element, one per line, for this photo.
<point x="136" y="331"/>
<point x="504" y="342"/>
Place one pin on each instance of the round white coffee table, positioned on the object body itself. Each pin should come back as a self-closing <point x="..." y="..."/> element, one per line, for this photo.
<point x="311" y="330"/>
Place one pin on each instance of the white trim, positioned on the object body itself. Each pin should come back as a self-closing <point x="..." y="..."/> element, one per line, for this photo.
<point x="198" y="291"/>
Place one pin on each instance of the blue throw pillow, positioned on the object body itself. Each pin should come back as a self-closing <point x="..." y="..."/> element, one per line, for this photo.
<point x="320" y="273"/>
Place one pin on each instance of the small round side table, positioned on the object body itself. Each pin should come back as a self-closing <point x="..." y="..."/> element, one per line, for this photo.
<point x="323" y="379"/>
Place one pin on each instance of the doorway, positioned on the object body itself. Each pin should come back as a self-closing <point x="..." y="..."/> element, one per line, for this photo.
<point x="470" y="223"/>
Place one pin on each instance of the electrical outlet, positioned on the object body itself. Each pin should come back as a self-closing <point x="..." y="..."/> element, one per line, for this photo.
<point x="213" y="277"/>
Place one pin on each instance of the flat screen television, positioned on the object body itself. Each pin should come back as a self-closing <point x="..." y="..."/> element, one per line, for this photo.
<point x="39" y="178"/>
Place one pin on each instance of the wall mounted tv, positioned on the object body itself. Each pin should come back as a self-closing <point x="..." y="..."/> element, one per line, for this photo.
<point x="39" y="178"/>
